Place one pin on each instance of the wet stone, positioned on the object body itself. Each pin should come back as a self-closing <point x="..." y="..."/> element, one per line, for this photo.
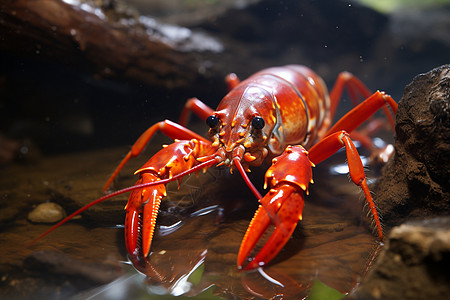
<point x="48" y="212"/>
<point x="413" y="265"/>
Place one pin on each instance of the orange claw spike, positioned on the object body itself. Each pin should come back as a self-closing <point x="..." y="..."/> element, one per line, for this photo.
<point x="289" y="177"/>
<point x="258" y="225"/>
<point x="149" y="219"/>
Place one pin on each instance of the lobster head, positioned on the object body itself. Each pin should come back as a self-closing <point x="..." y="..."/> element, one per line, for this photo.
<point x="242" y="126"/>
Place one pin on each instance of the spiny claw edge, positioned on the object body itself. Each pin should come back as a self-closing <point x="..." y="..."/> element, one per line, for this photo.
<point x="285" y="205"/>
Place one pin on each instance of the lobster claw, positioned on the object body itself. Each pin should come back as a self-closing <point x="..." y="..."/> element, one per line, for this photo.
<point x="285" y="218"/>
<point x="142" y="211"/>
<point x="143" y="205"/>
<point x="282" y="207"/>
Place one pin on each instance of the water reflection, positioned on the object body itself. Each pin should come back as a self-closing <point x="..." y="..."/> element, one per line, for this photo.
<point x="270" y="283"/>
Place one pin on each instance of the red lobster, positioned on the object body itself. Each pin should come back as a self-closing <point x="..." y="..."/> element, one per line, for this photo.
<point x="278" y="111"/>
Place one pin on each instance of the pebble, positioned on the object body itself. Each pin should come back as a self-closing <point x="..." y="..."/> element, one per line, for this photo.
<point x="48" y="212"/>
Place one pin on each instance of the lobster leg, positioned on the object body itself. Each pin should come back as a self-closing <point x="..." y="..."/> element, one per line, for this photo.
<point x="332" y="143"/>
<point x="354" y="87"/>
<point x="232" y="81"/>
<point x="197" y="107"/>
<point x="358" y="115"/>
<point x="169" y="128"/>
<point x="362" y="112"/>
<point x="201" y="109"/>
<point x="288" y="177"/>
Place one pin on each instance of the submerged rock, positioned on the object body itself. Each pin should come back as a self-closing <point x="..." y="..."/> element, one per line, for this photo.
<point x="414" y="264"/>
<point x="415" y="182"/>
<point x="48" y="212"/>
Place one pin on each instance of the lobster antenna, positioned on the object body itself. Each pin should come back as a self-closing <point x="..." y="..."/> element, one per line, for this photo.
<point x="247" y="180"/>
<point x="197" y="168"/>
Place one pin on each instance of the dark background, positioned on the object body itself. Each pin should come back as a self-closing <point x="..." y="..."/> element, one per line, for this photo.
<point x="61" y="103"/>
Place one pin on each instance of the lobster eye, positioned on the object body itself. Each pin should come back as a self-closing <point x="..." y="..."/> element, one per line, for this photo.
<point x="258" y="123"/>
<point x="212" y="121"/>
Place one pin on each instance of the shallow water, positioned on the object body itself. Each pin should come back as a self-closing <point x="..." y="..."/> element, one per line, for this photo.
<point x="200" y="230"/>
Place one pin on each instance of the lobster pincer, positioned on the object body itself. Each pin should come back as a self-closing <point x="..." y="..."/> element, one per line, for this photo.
<point x="143" y="205"/>
<point x="288" y="178"/>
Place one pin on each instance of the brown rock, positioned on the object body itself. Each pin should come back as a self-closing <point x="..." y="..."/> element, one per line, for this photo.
<point x="415" y="183"/>
<point x="414" y="264"/>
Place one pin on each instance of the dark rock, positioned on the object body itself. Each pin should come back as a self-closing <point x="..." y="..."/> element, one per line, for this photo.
<point x="414" y="264"/>
<point x="415" y="182"/>
<point x="414" y="186"/>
